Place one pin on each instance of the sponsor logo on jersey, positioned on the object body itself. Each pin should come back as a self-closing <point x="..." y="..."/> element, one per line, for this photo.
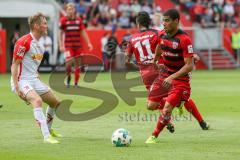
<point x="37" y="57"/>
<point x="142" y="37"/>
<point x="190" y="49"/>
<point x="170" y="54"/>
<point x="21" y="51"/>
<point x="72" y="27"/>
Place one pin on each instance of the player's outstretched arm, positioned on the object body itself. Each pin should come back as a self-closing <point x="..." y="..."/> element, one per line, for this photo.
<point x="14" y="72"/>
<point x="86" y="38"/>
<point x="188" y="67"/>
<point x="158" y="53"/>
<point x="60" y="40"/>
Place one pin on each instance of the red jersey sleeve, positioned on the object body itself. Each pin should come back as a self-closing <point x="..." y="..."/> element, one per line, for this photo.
<point x="21" y="47"/>
<point x="129" y="49"/>
<point x="187" y="47"/>
<point x="62" y="24"/>
<point x="81" y="25"/>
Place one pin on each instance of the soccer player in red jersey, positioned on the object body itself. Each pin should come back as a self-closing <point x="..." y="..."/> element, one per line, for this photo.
<point x="176" y="48"/>
<point x="25" y="82"/>
<point x="71" y="31"/>
<point x="142" y="45"/>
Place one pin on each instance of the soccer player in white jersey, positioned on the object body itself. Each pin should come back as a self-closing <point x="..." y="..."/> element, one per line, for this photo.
<point x="25" y="81"/>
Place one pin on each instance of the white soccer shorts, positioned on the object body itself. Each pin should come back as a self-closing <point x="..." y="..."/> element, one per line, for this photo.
<point x="34" y="84"/>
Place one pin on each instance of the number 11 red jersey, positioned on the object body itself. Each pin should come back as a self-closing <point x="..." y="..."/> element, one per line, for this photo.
<point x="143" y="45"/>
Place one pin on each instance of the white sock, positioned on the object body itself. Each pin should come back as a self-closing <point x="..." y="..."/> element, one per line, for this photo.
<point x="41" y="121"/>
<point x="50" y="112"/>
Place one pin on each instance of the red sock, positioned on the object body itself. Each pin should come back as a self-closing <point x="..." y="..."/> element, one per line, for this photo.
<point x="159" y="127"/>
<point x="163" y="120"/>
<point x="69" y="71"/>
<point x="108" y="65"/>
<point x="77" y="75"/>
<point x="192" y="108"/>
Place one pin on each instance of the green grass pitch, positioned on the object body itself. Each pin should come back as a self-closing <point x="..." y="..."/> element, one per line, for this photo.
<point x="217" y="94"/>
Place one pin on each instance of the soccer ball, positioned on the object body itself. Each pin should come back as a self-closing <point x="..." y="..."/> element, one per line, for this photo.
<point x="121" y="138"/>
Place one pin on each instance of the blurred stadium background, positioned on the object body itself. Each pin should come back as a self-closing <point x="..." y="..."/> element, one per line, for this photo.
<point x="211" y="24"/>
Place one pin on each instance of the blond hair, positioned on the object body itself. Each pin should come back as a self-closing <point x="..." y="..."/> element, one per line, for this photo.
<point x="35" y="19"/>
<point x="72" y="5"/>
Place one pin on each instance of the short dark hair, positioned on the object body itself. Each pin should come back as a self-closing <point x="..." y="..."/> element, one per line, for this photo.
<point x="143" y="19"/>
<point x="172" y="13"/>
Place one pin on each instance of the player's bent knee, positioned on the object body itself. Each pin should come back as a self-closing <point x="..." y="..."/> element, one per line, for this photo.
<point x="152" y="105"/>
<point x="149" y="107"/>
<point x="167" y="108"/>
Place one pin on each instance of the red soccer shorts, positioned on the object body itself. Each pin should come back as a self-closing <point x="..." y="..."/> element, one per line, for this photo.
<point x="72" y="53"/>
<point x="179" y="91"/>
